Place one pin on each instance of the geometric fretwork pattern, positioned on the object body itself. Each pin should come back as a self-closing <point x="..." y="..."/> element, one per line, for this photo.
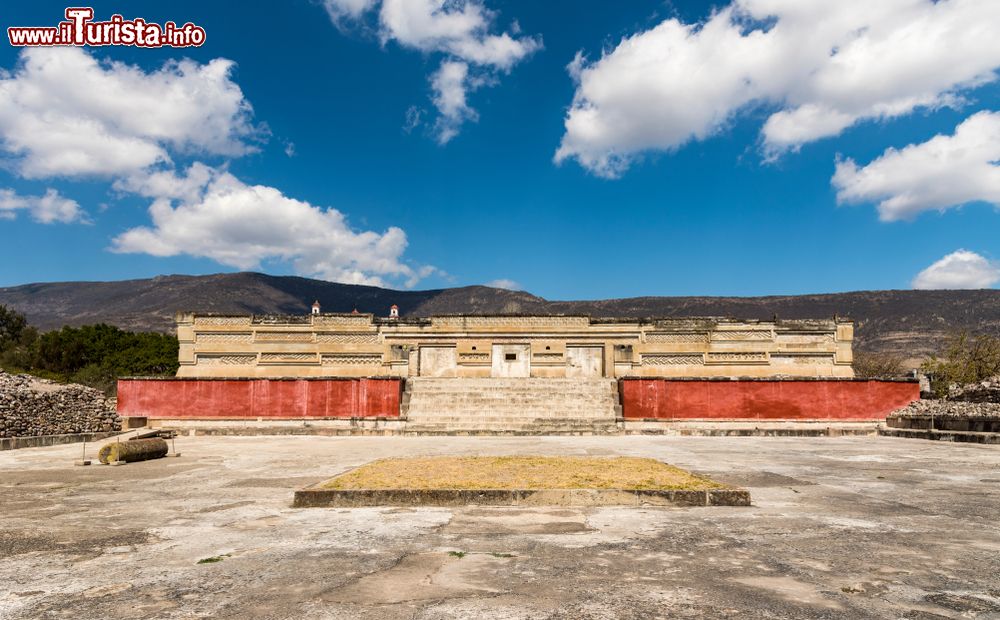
<point x="656" y="337"/>
<point x="657" y="359"/>
<point x="288" y="357"/>
<point x="359" y="321"/>
<point x="347" y="337"/>
<point x="284" y="336"/>
<point x="514" y="321"/>
<point x="474" y="357"/>
<point x="222" y="320"/>
<point x="352" y="359"/>
<point x="737" y="358"/>
<point x="743" y="334"/>
<point x="226" y="360"/>
<point x="224" y="337"/>
<point x="802" y="360"/>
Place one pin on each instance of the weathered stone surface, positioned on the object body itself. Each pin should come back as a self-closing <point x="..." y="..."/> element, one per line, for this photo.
<point x="846" y="528"/>
<point x="30" y="406"/>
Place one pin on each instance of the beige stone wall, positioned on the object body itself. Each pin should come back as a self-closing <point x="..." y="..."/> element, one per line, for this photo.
<point x="361" y="345"/>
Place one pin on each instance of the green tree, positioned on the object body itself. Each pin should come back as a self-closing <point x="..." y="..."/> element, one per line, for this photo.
<point x="94" y="355"/>
<point x="12" y="326"/>
<point x="965" y="359"/>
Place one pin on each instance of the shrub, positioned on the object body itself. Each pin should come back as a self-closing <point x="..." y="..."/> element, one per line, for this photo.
<point x="965" y="359"/>
<point x="873" y="365"/>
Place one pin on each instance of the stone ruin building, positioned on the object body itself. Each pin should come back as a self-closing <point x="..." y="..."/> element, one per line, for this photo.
<point x="360" y="373"/>
<point x="363" y="345"/>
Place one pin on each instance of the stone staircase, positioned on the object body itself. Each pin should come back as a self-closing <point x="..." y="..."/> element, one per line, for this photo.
<point x="516" y="406"/>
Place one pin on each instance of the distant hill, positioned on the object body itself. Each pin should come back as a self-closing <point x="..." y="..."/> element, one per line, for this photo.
<point x="914" y="323"/>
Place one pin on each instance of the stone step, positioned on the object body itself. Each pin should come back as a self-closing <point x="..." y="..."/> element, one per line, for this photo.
<point x="449" y="418"/>
<point x="568" y="391"/>
<point x="479" y="401"/>
<point x="508" y="380"/>
<point x="540" y="411"/>
<point x="588" y="429"/>
<point x="509" y="396"/>
<point x="539" y="392"/>
<point x="568" y="423"/>
<point x="502" y="395"/>
<point x="511" y="405"/>
<point x="512" y="401"/>
<point x="484" y="407"/>
<point x="458" y="386"/>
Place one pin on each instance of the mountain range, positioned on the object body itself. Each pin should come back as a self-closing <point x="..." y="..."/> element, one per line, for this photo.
<point x="907" y="322"/>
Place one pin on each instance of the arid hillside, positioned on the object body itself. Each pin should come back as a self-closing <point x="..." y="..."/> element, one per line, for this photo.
<point x="914" y="323"/>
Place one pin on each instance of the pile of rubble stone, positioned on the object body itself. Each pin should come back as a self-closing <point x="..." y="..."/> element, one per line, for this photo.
<point x="985" y="391"/>
<point x="949" y="409"/>
<point x="30" y="406"/>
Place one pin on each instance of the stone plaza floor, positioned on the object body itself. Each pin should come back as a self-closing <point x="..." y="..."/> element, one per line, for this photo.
<point x="853" y="527"/>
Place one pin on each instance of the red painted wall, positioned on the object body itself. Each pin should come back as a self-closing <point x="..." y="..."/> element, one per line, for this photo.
<point x="229" y="399"/>
<point x="764" y="399"/>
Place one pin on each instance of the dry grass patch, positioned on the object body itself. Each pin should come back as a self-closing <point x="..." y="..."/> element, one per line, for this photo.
<point x="520" y="473"/>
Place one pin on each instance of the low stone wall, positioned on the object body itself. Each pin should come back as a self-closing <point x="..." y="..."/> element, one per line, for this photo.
<point x="764" y="399"/>
<point x="30" y="407"/>
<point x="951" y="416"/>
<point x="14" y="443"/>
<point x="249" y="399"/>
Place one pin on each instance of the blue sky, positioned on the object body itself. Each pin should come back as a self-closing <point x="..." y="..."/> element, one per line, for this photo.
<point x="687" y="206"/>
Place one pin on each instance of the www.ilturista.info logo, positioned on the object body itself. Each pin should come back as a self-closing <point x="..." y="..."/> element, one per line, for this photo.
<point x="80" y="29"/>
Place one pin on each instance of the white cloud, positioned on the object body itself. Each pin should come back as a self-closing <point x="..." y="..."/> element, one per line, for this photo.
<point x="824" y="65"/>
<point x="959" y="270"/>
<point x="210" y="213"/>
<point x="46" y="209"/>
<point x="504" y="283"/>
<point x="63" y="113"/>
<point x="458" y="29"/>
<point x="944" y="172"/>
<point x="414" y="118"/>
<point x="449" y="85"/>
<point x="340" y="10"/>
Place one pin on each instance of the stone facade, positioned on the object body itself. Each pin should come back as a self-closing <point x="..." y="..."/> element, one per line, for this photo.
<point x="362" y="345"/>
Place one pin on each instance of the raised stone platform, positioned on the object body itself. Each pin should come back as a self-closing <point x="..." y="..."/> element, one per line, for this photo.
<point x="954" y="428"/>
<point x="961" y="422"/>
<point x="934" y="435"/>
<point x="13" y="443"/>
<point x="316" y="498"/>
<point x="705" y="428"/>
<point x="511" y="405"/>
<point x="524" y="480"/>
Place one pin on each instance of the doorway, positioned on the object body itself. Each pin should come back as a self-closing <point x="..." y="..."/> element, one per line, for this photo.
<point x="438" y="362"/>
<point x="511" y="360"/>
<point x="585" y="361"/>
